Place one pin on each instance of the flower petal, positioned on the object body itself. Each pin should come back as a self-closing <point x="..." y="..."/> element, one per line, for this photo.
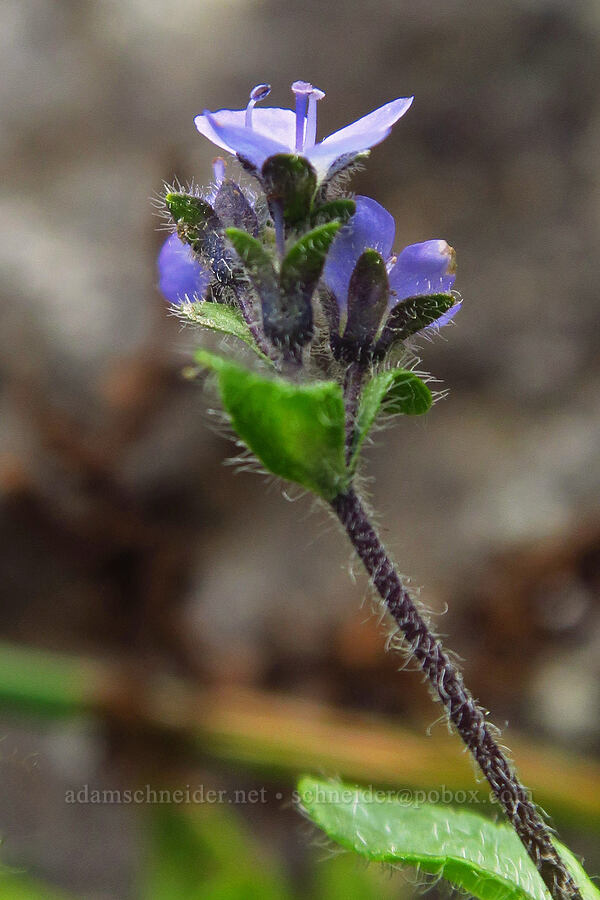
<point x="234" y="117"/>
<point x="371" y="227"/>
<point x="426" y="268"/>
<point x="268" y="135"/>
<point x="360" y="135"/>
<point x="276" y="123"/>
<point x="323" y="155"/>
<point x="376" y="121"/>
<point x="181" y="276"/>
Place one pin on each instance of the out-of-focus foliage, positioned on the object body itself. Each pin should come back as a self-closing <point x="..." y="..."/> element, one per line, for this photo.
<point x="17" y="886"/>
<point x="200" y="853"/>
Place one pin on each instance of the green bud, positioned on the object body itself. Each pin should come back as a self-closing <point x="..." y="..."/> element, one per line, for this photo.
<point x="290" y="182"/>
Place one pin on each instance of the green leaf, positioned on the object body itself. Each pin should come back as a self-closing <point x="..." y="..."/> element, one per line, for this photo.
<point x="396" y="392"/>
<point x="484" y="858"/>
<point x="296" y="431"/>
<point x="334" y="211"/>
<point x="289" y="182"/>
<point x="219" y="317"/>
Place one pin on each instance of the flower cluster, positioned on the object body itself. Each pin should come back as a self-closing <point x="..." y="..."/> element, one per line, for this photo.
<point x="302" y="244"/>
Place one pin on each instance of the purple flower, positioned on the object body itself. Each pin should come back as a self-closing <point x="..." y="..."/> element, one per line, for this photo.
<point x="257" y="134"/>
<point x="181" y="276"/>
<point x="420" y="269"/>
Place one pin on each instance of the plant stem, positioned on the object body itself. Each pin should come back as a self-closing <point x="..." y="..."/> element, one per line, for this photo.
<point x="446" y="682"/>
<point x="352" y="387"/>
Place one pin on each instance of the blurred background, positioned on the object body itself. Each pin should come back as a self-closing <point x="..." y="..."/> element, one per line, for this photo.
<point x="166" y="621"/>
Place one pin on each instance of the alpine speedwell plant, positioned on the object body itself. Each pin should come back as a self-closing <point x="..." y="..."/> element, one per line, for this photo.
<point x="306" y="275"/>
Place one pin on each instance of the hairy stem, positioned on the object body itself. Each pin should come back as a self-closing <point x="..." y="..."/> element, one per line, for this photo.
<point x="352" y="388"/>
<point x="446" y="682"/>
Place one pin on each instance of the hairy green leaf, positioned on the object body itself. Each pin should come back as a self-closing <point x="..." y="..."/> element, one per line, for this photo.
<point x="484" y="858"/>
<point x="296" y="431"/>
<point x="396" y="392"/>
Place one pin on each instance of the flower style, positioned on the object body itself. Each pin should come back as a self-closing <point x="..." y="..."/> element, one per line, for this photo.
<point x="257" y="134"/>
<point x="181" y="277"/>
<point x="419" y="270"/>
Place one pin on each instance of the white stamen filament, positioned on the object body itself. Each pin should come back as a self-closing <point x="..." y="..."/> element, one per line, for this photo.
<point x="258" y="93"/>
<point x="311" y="121"/>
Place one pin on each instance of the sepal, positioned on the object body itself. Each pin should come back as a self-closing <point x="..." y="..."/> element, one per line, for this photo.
<point x="256" y="262"/>
<point x="412" y="315"/>
<point x="340" y="170"/>
<point x="286" y="298"/>
<point x="220" y="318"/>
<point x="199" y="226"/>
<point x="188" y="210"/>
<point x="340" y="210"/>
<point x="300" y="272"/>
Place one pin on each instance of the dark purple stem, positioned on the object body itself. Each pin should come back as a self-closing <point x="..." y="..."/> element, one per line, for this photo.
<point x="446" y="682"/>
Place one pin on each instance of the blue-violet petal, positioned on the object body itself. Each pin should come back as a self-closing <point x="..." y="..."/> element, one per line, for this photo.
<point x="425" y="268"/>
<point x="371" y="227"/>
<point x="181" y="276"/>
